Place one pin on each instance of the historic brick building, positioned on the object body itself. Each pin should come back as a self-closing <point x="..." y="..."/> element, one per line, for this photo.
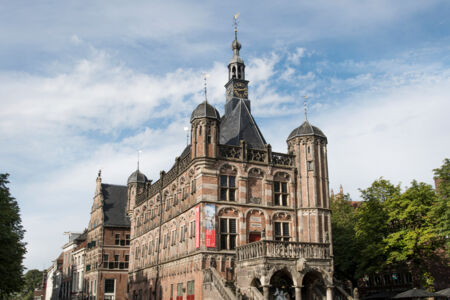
<point x="231" y="217"/>
<point x="108" y="240"/>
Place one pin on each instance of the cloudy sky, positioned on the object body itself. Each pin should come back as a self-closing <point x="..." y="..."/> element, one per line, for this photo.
<point x="84" y="85"/>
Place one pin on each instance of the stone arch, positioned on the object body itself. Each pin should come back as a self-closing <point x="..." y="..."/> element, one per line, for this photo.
<point x="314" y="282"/>
<point x="282" y="175"/>
<point x="225" y="209"/>
<point x="228" y="168"/>
<point x="281" y="215"/>
<point x="256" y="172"/>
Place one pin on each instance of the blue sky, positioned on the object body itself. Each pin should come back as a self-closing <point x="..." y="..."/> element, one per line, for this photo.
<point x="84" y="85"/>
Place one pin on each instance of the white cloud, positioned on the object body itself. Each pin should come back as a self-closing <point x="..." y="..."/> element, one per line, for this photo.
<point x="295" y="57"/>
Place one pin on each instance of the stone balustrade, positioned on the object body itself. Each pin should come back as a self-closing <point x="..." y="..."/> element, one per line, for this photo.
<point x="280" y="249"/>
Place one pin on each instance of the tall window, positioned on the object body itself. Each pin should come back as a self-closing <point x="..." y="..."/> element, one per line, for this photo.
<point x="174" y="237"/>
<point x="227" y="188"/>
<point x="127" y="239"/>
<point x="190" y="290"/>
<point x="282" y="231"/>
<point x="280" y="193"/>
<point x="117" y="239"/>
<point x="180" y="291"/>
<point x="105" y="260"/>
<point x="192" y="233"/>
<point x="228" y="233"/>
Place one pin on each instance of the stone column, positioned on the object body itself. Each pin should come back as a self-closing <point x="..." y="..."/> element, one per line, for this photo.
<point x="266" y="292"/>
<point x="298" y="293"/>
<point x="330" y="292"/>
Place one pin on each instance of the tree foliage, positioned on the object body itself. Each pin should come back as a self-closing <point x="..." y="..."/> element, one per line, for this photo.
<point x="393" y="229"/>
<point x="412" y="236"/>
<point x="371" y="226"/>
<point x="32" y="280"/>
<point x="342" y="224"/>
<point x="13" y="249"/>
<point x="440" y="211"/>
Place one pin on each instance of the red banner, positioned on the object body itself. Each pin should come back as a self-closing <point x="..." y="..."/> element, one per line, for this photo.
<point x="197" y="227"/>
<point x="210" y="225"/>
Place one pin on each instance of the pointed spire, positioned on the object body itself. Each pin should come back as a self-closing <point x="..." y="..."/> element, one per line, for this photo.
<point x="341" y="190"/>
<point x="235" y="24"/>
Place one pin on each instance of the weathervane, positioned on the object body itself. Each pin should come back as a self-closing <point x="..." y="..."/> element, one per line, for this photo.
<point x="305" y="106"/>
<point x="205" y="77"/>
<point x="235" y="24"/>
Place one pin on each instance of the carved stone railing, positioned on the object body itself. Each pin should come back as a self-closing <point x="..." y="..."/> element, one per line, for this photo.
<point x="280" y="249"/>
<point x="282" y="159"/>
<point x="230" y="152"/>
<point x="243" y="153"/>
<point x="212" y="276"/>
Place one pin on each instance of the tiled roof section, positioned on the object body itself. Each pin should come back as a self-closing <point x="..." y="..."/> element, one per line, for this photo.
<point x="205" y="110"/>
<point x="306" y="129"/>
<point x="115" y="205"/>
<point x="238" y="124"/>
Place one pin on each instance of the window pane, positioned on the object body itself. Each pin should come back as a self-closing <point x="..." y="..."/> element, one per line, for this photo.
<point x="109" y="285"/>
<point x="116" y="257"/>
<point x="223" y="241"/>
<point x="180" y="289"/>
<point x="223" y="225"/>
<point x="277" y="228"/>
<point x="284" y="198"/>
<point x="223" y="180"/>
<point x="286" y="229"/>
<point x="284" y="187"/>
<point x="232" y="181"/>
<point x="276" y="187"/>
<point x="232" y="193"/>
<point x="232" y="225"/>
<point x="232" y="242"/>
<point x="223" y="194"/>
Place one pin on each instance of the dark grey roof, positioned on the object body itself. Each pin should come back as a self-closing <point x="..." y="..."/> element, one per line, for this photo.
<point x="115" y="205"/>
<point x="306" y="129"/>
<point x="238" y="124"/>
<point x="137" y="177"/>
<point x="205" y="110"/>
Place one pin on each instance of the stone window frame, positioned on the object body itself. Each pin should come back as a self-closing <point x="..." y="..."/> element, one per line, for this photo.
<point x="225" y="232"/>
<point x="283" y="226"/>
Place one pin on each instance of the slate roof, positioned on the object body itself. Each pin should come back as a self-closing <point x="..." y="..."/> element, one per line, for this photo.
<point x="137" y="177"/>
<point x="115" y="205"/>
<point x="238" y="124"/>
<point x="205" y="110"/>
<point x="306" y="129"/>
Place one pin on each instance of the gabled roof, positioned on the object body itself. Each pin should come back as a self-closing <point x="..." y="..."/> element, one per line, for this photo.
<point x="115" y="205"/>
<point x="238" y="124"/>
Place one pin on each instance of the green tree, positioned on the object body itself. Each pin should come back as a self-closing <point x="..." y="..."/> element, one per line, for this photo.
<point x="440" y="211"/>
<point x="13" y="249"/>
<point x="412" y="239"/>
<point x="32" y="280"/>
<point x="371" y="226"/>
<point x="342" y="224"/>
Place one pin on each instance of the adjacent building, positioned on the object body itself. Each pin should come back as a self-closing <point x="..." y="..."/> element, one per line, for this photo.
<point x="108" y="242"/>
